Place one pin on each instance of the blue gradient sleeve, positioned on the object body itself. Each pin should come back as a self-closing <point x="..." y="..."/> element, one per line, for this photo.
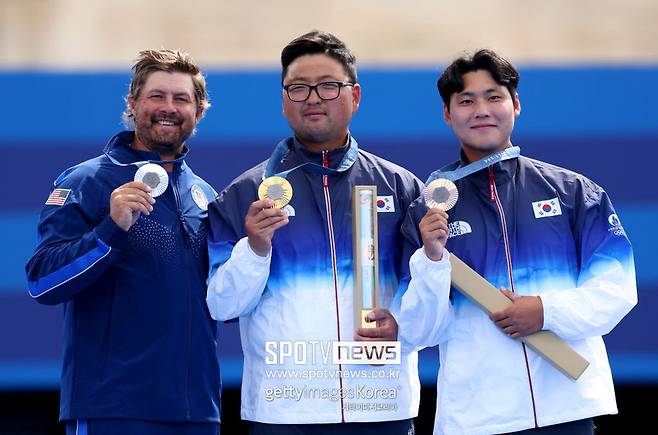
<point x="237" y="276"/>
<point x="606" y="286"/>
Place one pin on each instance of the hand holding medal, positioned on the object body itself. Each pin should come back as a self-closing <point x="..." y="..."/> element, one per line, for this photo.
<point x="440" y="196"/>
<point x="278" y="189"/>
<point x="129" y="201"/>
<point x="266" y="215"/>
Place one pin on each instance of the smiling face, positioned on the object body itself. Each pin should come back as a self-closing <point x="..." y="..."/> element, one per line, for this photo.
<point x="482" y="115"/>
<point x="320" y="124"/>
<point x="165" y="113"/>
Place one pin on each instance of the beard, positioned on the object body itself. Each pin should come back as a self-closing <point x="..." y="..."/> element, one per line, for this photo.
<point x="163" y="140"/>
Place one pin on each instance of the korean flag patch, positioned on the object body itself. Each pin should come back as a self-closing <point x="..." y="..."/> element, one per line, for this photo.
<point x="385" y="204"/>
<point x="546" y="208"/>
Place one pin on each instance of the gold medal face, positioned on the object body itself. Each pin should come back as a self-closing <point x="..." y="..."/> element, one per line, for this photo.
<point x="278" y="189"/>
<point x="441" y="194"/>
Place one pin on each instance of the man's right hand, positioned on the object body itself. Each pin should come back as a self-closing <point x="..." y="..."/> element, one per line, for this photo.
<point x="261" y="222"/>
<point x="128" y="202"/>
<point x="434" y="232"/>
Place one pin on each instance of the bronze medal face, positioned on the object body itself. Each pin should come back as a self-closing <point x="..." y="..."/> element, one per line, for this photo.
<point x="278" y="189"/>
<point x="441" y="194"/>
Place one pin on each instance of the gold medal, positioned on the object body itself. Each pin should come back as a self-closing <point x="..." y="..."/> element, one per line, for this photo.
<point x="278" y="189"/>
<point x="441" y="194"/>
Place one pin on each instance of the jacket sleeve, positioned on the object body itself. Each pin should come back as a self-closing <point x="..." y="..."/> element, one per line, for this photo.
<point x="426" y="310"/>
<point x="75" y="245"/>
<point x="238" y="276"/>
<point x="606" y="289"/>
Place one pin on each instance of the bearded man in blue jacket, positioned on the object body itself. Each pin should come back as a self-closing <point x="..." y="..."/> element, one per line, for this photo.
<point x="122" y="245"/>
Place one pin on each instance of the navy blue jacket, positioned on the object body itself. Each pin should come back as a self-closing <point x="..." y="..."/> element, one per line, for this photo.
<point x="139" y="342"/>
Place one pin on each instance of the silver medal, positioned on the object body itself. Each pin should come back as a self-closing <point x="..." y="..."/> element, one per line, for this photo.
<point x="153" y="176"/>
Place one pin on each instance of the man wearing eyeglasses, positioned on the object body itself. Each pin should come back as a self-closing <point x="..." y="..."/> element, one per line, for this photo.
<point x="287" y="273"/>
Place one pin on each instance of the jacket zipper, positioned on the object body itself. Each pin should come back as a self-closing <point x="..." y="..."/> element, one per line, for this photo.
<point x="179" y="208"/>
<point x="332" y="244"/>
<point x="186" y="243"/>
<point x="493" y="192"/>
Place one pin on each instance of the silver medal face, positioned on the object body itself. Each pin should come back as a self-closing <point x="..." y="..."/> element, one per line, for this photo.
<point x="442" y="194"/>
<point x="153" y="176"/>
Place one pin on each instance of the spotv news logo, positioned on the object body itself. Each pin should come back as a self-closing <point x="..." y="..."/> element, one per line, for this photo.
<point x="340" y="352"/>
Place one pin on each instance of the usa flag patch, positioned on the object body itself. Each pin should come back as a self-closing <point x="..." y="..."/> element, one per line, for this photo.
<point x="546" y="208"/>
<point x="58" y="197"/>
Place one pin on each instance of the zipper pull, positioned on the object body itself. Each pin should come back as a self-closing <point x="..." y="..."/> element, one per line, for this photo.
<point x="492" y="184"/>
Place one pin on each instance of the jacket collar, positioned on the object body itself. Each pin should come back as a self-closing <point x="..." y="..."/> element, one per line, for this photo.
<point x="120" y="148"/>
<point x="300" y="154"/>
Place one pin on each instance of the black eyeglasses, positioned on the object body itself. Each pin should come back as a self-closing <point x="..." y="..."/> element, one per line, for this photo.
<point x="299" y="92"/>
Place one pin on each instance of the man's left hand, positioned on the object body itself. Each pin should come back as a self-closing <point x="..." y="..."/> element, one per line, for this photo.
<point x="524" y="317"/>
<point x="386" y="330"/>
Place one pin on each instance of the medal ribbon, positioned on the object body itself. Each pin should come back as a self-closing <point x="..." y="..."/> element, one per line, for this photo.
<point x="143" y="162"/>
<point x="485" y="162"/>
<point x="282" y="149"/>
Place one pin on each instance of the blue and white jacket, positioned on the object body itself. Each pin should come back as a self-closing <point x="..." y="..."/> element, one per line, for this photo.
<point x="139" y="342"/>
<point x="536" y="229"/>
<point x="300" y="299"/>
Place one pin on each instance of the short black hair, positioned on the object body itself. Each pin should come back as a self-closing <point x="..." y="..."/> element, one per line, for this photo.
<point x="318" y="42"/>
<point x="501" y="70"/>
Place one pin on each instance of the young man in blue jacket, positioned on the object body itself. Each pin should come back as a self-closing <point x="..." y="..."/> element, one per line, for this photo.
<point x="288" y="273"/>
<point x="122" y="245"/>
<point x="548" y="237"/>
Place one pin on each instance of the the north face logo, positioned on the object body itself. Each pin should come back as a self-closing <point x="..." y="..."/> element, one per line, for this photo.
<point x="458" y="228"/>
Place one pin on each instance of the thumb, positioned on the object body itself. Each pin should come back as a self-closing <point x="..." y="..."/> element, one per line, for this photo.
<point x="378" y="314"/>
<point x="372" y="316"/>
